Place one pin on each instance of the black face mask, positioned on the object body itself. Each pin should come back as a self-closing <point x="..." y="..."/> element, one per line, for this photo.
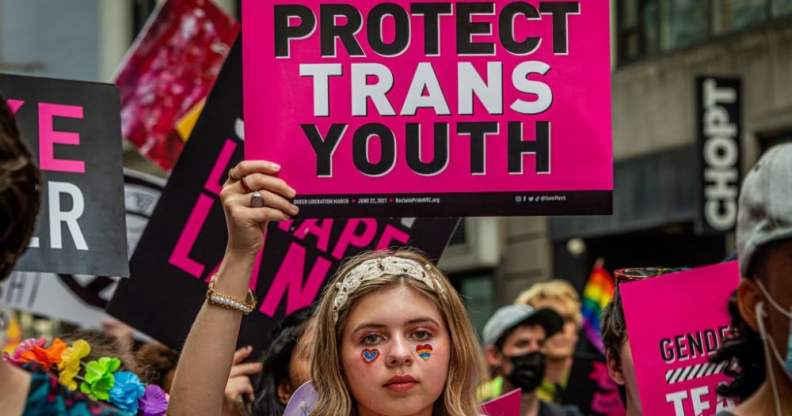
<point x="528" y="371"/>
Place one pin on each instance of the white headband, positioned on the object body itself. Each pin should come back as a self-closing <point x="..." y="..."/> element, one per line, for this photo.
<point x="375" y="268"/>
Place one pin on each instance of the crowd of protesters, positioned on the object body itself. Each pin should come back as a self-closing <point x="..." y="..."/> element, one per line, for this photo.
<point x="390" y="335"/>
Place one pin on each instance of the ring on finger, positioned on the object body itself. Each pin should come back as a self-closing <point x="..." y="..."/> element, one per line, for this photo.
<point x="256" y="200"/>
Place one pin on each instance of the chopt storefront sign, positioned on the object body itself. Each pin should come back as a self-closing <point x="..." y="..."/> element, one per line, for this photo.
<point x="719" y="132"/>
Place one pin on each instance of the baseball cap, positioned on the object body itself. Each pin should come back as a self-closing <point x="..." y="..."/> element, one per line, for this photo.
<point x="511" y="316"/>
<point x="764" y="214"/>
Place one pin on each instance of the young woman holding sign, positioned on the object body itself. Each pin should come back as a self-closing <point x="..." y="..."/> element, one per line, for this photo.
<point x="392" y="335"/>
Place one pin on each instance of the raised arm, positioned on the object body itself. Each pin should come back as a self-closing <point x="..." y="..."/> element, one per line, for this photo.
<point x="207" y="355"/>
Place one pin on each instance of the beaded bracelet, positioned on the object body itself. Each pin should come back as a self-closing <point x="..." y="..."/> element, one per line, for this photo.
<point x="229" y="302"/>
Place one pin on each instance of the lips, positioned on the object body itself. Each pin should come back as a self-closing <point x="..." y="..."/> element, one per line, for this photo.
<point x="400" y="384"/>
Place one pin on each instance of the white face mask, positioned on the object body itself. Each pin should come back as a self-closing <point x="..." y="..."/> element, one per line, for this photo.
<point x="771" y="351"/>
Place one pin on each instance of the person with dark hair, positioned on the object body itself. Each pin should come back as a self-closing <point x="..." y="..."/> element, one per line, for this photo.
<point x="287" y="364"/>
<point x="284" y="367"/>
<point x="743" y="346"/>
<point x="761" y="346"/>
<point x="103" y="345"/>
<point x="27" y="391"/>
<point x="159" y="362"/>
<point x="514" y="339"/>
<point x="618" y="354"/>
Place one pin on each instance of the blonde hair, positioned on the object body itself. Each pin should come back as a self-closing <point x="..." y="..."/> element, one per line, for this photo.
<point x="459" y="394"/>
<point x="555" y="289"/>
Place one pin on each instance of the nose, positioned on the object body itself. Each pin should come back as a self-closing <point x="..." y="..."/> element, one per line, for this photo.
<point x="399" y="353"/>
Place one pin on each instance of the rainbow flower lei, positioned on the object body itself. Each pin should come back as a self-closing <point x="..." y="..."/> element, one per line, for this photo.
<point x="98" y="379"/>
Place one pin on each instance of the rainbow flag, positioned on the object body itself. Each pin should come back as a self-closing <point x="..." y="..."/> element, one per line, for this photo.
<point x="598" y="292"/>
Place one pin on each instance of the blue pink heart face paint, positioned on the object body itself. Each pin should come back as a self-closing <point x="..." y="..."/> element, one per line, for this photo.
<point x="369" y="355"/>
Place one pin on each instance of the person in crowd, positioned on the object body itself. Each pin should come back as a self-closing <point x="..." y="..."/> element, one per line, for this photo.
<point x="160" y="361"/>
<point x="618" y="354"/>
<point x="284" y="367"/>
<point x="559" y="349"/>
<point x="761" y="346"/>
<point x="239" y="392"/>
<point x="124" y="334"/>
<point x="287" y="364"/>
<point x="387" y="359"/>
<point x="744" y="346"/>
<point x="27" y="391"/>
<point x="104" y="345"/>
<point x="392" y="334"/>
<point x="514" y="338"/>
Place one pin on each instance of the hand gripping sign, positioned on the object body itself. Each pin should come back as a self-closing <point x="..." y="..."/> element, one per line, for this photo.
<point x="432" y="109"/>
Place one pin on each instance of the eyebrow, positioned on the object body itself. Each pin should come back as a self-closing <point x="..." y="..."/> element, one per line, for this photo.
<point x="416" y="321"/>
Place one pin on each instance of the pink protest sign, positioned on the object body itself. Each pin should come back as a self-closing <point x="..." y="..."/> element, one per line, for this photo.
<point x="505" y="405"/>
<point x="432" y="109"/>
<point x="674" y="324"/>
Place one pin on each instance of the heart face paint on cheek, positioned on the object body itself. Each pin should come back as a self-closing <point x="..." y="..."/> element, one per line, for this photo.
<point x="424" y="351"/>
<point x="369" y="355"/>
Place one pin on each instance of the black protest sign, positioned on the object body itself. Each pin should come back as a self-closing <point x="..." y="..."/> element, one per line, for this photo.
<point x="73" y="130"/>
<point x="82" y="299"/>
<point x="186" y="236"/>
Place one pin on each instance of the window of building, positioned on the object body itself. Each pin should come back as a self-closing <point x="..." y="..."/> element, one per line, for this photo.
<point x="645" y="27"/>
<point x="732" y="15"/>
<point x="782" y="7"/>
<point x="683" y="23"/>
<point x="637" y="29"/>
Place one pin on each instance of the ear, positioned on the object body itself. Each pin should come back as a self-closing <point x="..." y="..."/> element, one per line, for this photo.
<point x="285" y="391"/>
<point x="748" y="296"/>
<point x="615" y="369"/>
<point x="493" y="357"/>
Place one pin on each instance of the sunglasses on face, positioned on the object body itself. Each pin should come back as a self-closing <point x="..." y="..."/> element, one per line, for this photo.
<point x="640" y="273"/>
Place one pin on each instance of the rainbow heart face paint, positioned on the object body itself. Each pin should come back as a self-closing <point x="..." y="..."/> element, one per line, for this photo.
<point x="370" y="355"/>
<point x="424" y="351"/>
